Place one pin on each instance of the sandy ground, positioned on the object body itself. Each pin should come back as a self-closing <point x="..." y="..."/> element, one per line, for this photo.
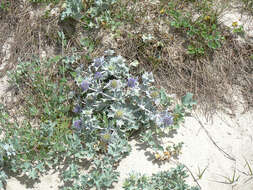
<point x="219" y="146"/>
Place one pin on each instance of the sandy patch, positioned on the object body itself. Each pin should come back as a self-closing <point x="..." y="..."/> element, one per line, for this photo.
<point x="4" y="85"/>
<point x="242" y="18"/>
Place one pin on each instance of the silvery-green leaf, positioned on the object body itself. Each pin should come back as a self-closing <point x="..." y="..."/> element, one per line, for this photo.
<point x="120" y="122"/>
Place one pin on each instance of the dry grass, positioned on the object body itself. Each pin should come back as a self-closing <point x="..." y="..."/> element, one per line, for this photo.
<point x="209" y="77"/>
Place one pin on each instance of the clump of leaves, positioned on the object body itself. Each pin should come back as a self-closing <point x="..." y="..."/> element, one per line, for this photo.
<point x="30" y="148"/>
<point x="72" y="9"/>
<point x="166" y="180"/>
<point x="93" y="14"/>
<point x="202" y="33"/>
<point x="113" y="101"/>
<point x="238" y="29"/>
<point x="44" y="90"/>
<point x="45" y="1"/>
<point x="171" y="152"/>
<point x="99" y="13"/>
<point x="4" y="5"/>
<point x="91" y="122"/>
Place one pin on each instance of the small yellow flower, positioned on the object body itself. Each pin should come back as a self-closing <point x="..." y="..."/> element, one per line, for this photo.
<point x="157" y="156"/>
<point x="167" y="155"/>
<point x="207" y="18"/>
<point x="162" y="11"/>
<point x="235" y="24"/>
<point x="175" y="117"/>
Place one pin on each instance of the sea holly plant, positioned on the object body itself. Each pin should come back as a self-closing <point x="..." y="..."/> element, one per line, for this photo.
<point x="128" y="103"/>
<point x="90" y="122"/>
<point x="72" y="9"/>
<point x="99" y="13"/>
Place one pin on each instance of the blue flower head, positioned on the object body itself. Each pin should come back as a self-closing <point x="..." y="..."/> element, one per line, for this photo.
<point x="85" y="85"/>
<point x="77" y="109"/>
<point x="167" y="119"/>
<point x="99" y="61"/>
<point x="131" y="82"/>
<point x="78" y="124"/>
<point x="98" y="75"/>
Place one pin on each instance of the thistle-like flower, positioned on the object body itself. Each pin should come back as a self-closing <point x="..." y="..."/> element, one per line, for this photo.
<point x="99" y="61"/>
<point x="167" y="119"/>
<point x="77" y="109"/>
<point x="85" y="85"/>
<point x="97" y="75"/>
<point x="131" y="82"/>
<point x="78" y="124"/>
<point x="164" y="119"/>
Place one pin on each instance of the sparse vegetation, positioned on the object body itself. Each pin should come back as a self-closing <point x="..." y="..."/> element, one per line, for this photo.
<point x="4" y="5"/>
<point x="91" y="121"/>
<point x="202" y="32"/>
<point x="45" y="1"/>
<point x="82" y="104"/>
<point x="163" y="180"/>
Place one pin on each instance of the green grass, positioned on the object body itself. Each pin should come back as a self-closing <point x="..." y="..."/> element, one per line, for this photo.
<point x="4" y="5"/>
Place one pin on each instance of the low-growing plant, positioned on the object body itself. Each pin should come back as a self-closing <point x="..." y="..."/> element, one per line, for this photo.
<point x="45" y="1"/>
<point x="238" y="29"/>
<point x="66" y="124"/>
<point x="231" y="179"/>
<point x="4" y="5"/>
<point x="99" y="13"/>
<point x="166" y="180"/>
<point x="171" y="152"/>
<point x="200" y="172"/>
<point x="93" y="14"/>
<point x="202" y="33"/>
<point x="113" y="101"/>
<point x="72" y="9"/>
